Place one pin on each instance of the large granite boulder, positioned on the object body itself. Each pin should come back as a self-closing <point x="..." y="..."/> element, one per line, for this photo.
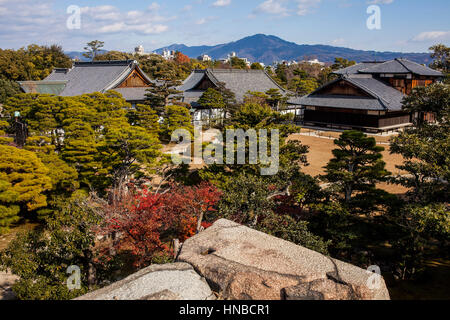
<point x="177" y="281"/>
<point x="242" y="263"/>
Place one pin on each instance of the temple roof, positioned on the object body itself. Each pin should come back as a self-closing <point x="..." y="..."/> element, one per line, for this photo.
<point x="238" y="81"/>
<point x="396" y="66"/>
<point x="381" y="97"/>
<point x="86" y="77"/>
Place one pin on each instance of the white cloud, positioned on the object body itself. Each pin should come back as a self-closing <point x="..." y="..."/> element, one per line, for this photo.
<point x="381" y="1"/>
<point x="204" y="20"/>
<point x="304" y="6"/>
<point x="222" y="3"/>
<point x="274" y="7"/>
<point x="109" y="19"/>
<point x="432" y="36"/>
<point x="23" y="22"/>
<point x="154" y="6"/>
<point x="338" y="42"/>
<point x="140" y="28"/>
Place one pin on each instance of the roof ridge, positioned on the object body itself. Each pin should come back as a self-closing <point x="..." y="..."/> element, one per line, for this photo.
<point x="383" y="102"/>
<point x="210" y="74"/>
<point x="235" y="70"/>
<point x="124" y="74"/>
<point x="404" y="66"/>
<point x="386" y="62"/>
<point x="105" y="62"/>
<point x="276" y="83"/>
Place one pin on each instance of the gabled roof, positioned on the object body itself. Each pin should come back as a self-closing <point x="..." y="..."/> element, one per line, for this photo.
<point x="238" y="81"/>
<point x="96" y="76"/>
<point x="396" y="66"/>
<point x="389" y="97"/>
<point x="355" y="68"/>
<point x="381" y="96"/>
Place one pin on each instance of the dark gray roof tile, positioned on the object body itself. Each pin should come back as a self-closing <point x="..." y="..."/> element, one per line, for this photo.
<point x="401" y="66"/>
<point x="133" y="94"/>
<point x="342" y="102"/>
<point x="388" y="96"/>
<point x="97" y="76"/>
<point x="357" y="67"/>
<point x="238" y="81"/>
<point x="383" y="96"/>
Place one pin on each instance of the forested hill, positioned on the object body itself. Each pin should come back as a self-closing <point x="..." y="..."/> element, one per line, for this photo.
<point x="267" y="49"/>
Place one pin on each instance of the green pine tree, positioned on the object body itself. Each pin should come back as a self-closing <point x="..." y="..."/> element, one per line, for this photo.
<point x="357" y="164"/>
<point x="176" y="117"/>
<point x="23" y="183"/>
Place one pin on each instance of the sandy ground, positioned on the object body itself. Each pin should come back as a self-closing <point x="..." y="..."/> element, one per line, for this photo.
<point x="320" y="153"/>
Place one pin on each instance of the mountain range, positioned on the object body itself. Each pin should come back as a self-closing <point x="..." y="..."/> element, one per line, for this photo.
<point x="268" y="49"/>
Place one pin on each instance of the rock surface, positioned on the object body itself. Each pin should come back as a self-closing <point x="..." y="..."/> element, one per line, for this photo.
<point x="6" y="282"/>
<point x="177" y="281"/>
<point x="241" y="263"/>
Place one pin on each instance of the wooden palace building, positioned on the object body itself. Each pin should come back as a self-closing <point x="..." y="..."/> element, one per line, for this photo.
<point x="125" y="77"/>
<point x="367" y="96"/>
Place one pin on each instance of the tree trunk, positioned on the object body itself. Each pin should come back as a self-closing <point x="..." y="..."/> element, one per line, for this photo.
<point x="348" y="194"/>
<point x="199" y="222"/>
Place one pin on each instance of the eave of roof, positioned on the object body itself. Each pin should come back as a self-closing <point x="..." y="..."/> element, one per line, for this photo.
<point x="43" y="87"/>
<point x="383" y="96"/>
<point x="342" y="102"/>
<point x="133" y="94"/>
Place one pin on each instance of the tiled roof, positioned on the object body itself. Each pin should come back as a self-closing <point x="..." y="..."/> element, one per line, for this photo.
<point x="238" y="81"/>
<point x="133" y="94"/>
<point x="383" y="97"/>
<point x="342" y="102"/>
<point x="357" y="67"/>
<point x="389" y="97"/>
<point x="88" y="77"/>
<point x="396" y="66"/>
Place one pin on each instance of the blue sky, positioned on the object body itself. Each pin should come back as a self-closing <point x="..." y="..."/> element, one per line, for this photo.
<point x="406" y="25"/>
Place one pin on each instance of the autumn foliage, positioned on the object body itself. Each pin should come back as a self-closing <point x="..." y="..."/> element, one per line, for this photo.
<point x="147" y="223"/>
<point x="181" y="58"/>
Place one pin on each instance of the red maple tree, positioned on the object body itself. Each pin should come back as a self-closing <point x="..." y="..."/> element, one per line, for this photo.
<point x="181" y="58"/>
<point x="146" y="226"/>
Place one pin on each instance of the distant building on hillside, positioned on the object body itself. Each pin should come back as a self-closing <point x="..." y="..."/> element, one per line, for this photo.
<point x="285" y="62"/>
<point x="168" y="54"/>
<point x="234" y="55"/>
<point x="139" y="50"/>
<point x="204" y="58"/>
<point x="125" y="77"/>
<point x="313" y="62"/>
<point x="368" y="96"/>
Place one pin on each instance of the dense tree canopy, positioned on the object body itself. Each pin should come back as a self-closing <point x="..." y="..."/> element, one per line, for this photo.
<point x="23" y="183"/>
<point x="8" y="89"/>
<point x="357" y="164"/>
<point x="32" y="63"/>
